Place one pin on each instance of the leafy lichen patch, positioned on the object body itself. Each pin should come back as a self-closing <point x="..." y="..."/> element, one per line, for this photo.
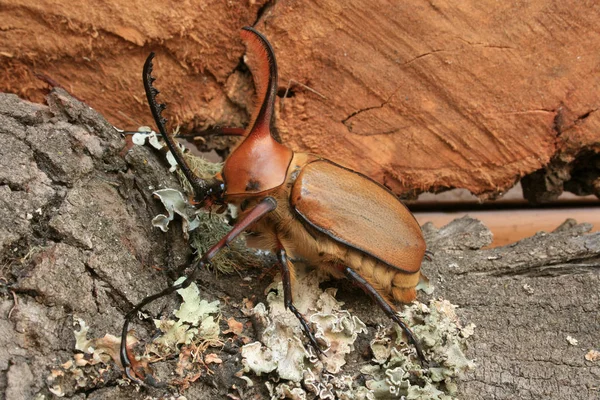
<point x="392" y="372"/>
<point x="190" y="334"/>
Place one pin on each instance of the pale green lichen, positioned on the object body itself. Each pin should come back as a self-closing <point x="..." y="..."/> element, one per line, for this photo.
<point x="394" y="371"/>
<point x="194" y="322"/>
<point x="282" y="350"/>
<point x="174" y="203"/>
<point x="193" y="309"/>
<point x="444" y="341"/>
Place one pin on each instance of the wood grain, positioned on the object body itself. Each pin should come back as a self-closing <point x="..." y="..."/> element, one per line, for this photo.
<point x="419" y="96"/>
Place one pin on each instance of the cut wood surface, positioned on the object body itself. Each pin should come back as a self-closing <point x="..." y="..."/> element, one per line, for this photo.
<point x="76" y="242"/>
<point x="509" y="226"/>
<point x="418" y="95"/>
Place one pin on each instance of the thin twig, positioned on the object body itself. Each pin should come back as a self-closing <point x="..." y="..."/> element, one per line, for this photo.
<point x="287" y="90"/>
<point x="14" y="305"/>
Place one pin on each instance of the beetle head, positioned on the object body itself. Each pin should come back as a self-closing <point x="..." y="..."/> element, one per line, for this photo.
<point x="260" y="162"/>
<point x="209" y="192"/>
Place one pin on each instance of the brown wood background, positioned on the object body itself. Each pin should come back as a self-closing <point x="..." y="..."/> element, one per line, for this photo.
<point x="419" y="95"/>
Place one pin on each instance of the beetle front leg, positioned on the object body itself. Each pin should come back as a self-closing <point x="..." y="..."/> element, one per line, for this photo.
<point x="385" y="306"/>
<point x="124" y="351"/>
<point x="266" y="205"/>
<point x="289" y="304"/>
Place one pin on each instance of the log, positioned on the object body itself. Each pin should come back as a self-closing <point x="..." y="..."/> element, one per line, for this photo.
<point x="421" y="97"/>
<point x="76" y="243"/>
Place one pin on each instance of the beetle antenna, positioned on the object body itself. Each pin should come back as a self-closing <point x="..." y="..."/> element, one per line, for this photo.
<point x="198" y="184"/>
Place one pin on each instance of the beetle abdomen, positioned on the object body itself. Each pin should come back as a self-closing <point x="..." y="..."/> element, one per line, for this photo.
<point x="328" y="254"/>
<point x="357" y="212"/>
<point x="391" y="282"/>
<point x="321" y="251"/>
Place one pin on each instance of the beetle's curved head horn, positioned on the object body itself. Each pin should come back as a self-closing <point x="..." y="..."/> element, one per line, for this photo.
<point x="259" y="163"/>
<point x="204" y="189"/>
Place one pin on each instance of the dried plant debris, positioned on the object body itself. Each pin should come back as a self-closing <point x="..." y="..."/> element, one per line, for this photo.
<point x="232" y="258"/>
<point x="593" y="355"/>
<point x="393" y="371"/>
<point x="201" y="167"/>
<point x="92" y="366"/>
<point x="193" y="331"/>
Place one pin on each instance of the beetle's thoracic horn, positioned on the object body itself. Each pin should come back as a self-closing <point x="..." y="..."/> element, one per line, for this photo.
<point x="260" y="162"/>
<point x="261" y="58"/>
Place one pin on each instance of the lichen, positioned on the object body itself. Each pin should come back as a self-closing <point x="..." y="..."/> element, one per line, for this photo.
<point x="444" y="341"/>
<point x="174" y="203"/>
<point x="193" y="322"/>
<point x="195" y="326"/>
<point x="282" y="351"/>
<point x="394" y="370"/>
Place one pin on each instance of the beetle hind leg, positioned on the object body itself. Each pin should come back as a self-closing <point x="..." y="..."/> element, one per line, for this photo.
<point x="289" y="304"/>
<point x="389" y="310"/>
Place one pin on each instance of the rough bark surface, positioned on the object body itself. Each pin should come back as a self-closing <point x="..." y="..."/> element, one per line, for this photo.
<point x="426" y="96"/>
<point x="76" y="242"/>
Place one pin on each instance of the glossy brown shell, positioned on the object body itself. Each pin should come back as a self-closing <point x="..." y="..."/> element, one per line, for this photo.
<point x="354" y="210"/>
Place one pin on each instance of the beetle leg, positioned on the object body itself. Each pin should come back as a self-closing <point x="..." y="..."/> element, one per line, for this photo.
<point x="289" y="304"/>
<point x="124" y="351"/>
<point x="267" y="205"/>
<point x="385" y="306"/>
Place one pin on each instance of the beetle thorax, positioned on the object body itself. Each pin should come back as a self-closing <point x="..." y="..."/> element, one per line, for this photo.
<point x="259" y="164"/>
